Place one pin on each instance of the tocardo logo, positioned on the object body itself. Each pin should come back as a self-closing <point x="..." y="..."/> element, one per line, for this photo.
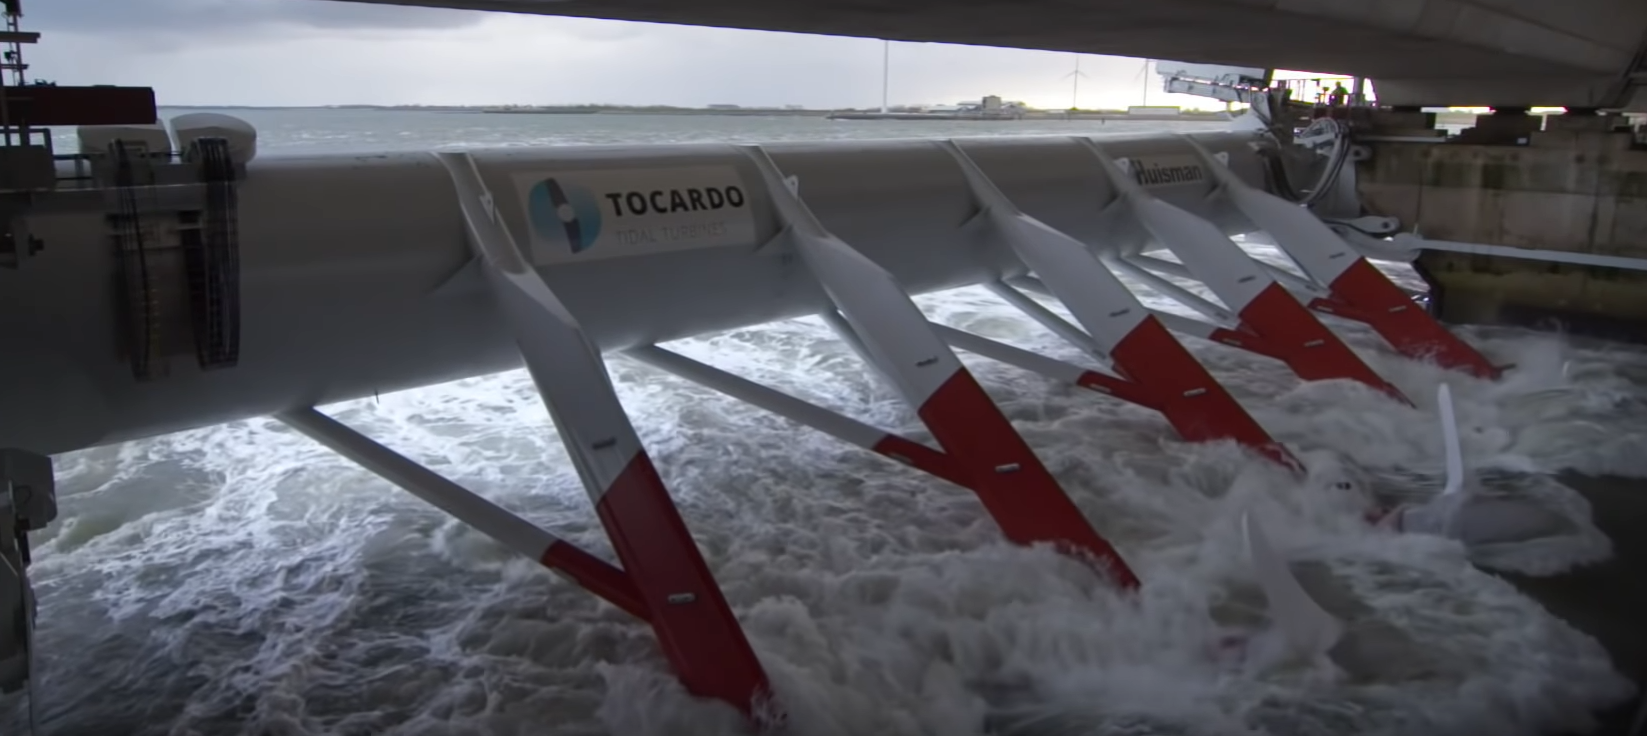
<point x="1151" y="175"/>
<point x="565" y="213"/>
<point x="671" y="201"/>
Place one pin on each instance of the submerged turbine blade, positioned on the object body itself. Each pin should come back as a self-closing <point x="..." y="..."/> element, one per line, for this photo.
<point x="1305" y="629"/>
<point x="1449" y="438"/>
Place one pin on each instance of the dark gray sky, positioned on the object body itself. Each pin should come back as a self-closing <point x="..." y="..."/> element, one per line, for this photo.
<point x="304" y="52"/>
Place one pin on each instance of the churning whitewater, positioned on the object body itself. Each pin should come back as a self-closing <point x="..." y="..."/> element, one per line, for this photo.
<point x="243" y="580"/>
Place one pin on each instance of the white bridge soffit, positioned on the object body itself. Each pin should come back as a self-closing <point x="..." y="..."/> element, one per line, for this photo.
<point x="1578" y="53"/>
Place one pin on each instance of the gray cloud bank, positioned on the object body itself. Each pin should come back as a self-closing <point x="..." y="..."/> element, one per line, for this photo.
<point x="236" y="17"/>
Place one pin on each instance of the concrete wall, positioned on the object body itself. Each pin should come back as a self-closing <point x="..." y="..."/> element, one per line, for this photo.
<point x="1577" y="185"/>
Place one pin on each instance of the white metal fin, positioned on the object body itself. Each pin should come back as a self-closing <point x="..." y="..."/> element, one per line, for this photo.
<point x="564" y="364"/>
<point x="1303" y="628"/>
<point x="1449" y="439"/>
<point x="891" y="328"/>
<point x="1453" y="500"/>
<point x="1103" y="306"/>
<point x="1444" y="514"/>
<point x="1213" y="258"/>
<point x="1315" y="247"/>
<point x="1461" y="514"/>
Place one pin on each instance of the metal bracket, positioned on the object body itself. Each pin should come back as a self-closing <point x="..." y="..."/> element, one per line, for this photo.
<point x="879" y="318"/>
<point x="1418" y="243"/>
<point x="598" y="576"/>
<point x="835" y="424"/>
<point x="695" y="626"/>
<point x="1120" y="326"/>
<point x="1263" y="305"/>
<point x="1354" y="287"/>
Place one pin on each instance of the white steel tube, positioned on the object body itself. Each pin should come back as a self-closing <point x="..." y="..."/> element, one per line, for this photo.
<point x="356" y="277"/>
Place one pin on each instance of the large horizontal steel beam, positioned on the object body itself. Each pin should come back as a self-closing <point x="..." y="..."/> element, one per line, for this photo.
<point x="1509" y="53"/>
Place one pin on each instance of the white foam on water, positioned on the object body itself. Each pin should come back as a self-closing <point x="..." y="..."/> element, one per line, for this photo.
<point x="1566" y="405"/>
<point x="241" y="579"/>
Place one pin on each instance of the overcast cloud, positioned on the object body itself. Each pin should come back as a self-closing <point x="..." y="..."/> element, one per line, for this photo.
<point x="316" y="52"/>
<point x="236" y="18"/>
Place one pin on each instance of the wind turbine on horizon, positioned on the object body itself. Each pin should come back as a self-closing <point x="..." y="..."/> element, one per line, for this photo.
<point x="1075" y="84"/>
<point x="886" y="72"/>
<point x="1143" y="74"/>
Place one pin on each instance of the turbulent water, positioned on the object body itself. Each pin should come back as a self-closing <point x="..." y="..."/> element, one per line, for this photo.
<point x="242" y="580"/>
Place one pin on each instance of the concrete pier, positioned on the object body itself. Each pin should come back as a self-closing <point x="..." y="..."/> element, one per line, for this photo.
<point x="1571" y="184"/>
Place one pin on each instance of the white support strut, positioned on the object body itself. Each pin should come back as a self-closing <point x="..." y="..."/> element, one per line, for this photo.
<point x="1013" y="484"/>
<point x="464" y="505"/>
<point x="1122" y="327"/>
<point x="1355" y="289"/>
<point x="696" y="627"/>
<point x="1263" y="305"/>
<point x="832" y="423"/>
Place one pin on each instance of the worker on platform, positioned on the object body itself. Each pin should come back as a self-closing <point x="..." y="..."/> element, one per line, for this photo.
<point x="1339" y="96"/>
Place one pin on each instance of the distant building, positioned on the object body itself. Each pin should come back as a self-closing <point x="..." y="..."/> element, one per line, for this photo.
<point x="991" y="104"/>
<point x="794" y="107"/>
<point x="1154" y="110"/>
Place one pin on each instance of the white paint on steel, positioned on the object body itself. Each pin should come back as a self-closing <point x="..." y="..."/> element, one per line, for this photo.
<point x="1456" y="513"/>
<point x="893" y="330"/>
<point x="1097" y="299"/>
<point x="357" y="276"/>
<point x="1185" y="325"/>
<point x="777" y="402"/>
<point x="574" y="216"/>
<point x="1046" y="317"/>
<point x="1300" y="627"/>
<point x="1301" y="235"/>
<point x="566" y="367"/>
<point x="1295" y="283"/>
<point x="1215" y="259"/>
<point x="844" y="331"/>
<point x="1409" y="243"/>
<point x="1143" y="268"/>
<point x="462" y="504"/>
<point x="1027" y="360"/>
<point x="1449" y="440"/>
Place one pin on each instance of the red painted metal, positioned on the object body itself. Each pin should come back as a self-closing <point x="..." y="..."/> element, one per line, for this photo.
<point x="51" y="105"/>
<point x="1121" y="388"/>
<point x="1016" y="489"/>
<point x="597" y="576"/>
<point x="923" y="458"/>
<point x="1196" y="405"/>
<point x="1308" y="347"/>
<point x="1365" y="294"/>
<point x="696" y="628"/>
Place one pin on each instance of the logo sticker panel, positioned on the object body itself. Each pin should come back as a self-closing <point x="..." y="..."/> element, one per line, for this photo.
<point x="1165" y="171"/>
<point x="567" y="213"/>
<point x="577" y="215"/>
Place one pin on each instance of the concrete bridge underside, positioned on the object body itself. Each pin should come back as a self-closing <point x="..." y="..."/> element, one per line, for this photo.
<point x="1502" y="53"/>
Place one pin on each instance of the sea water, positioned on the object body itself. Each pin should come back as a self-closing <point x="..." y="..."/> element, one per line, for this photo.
<point x="243" y="580"/>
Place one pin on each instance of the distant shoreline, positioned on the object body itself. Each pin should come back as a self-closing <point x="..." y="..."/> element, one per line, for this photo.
<point x="847" y="113"/>
<point x="1443" y="118"/>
